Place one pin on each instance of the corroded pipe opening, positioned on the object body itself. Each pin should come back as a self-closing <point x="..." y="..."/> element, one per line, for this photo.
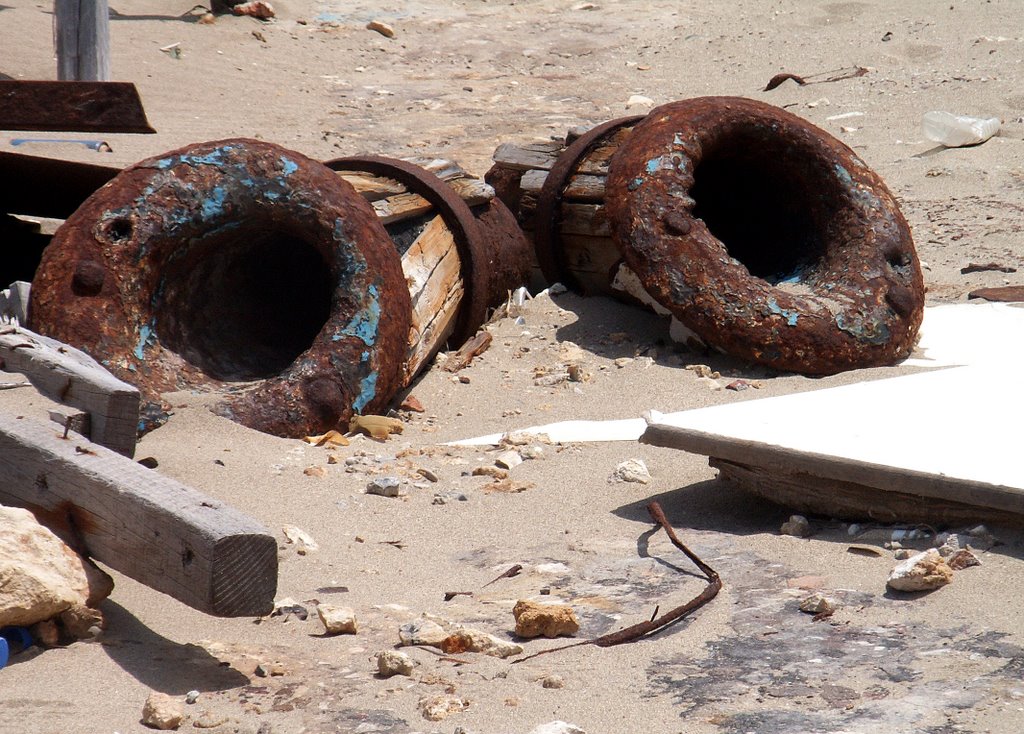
<point x="765" y="236"/>
<point x="265" y="295"/>
<point x="234" y="260"/>
<point x="759" y="205"/>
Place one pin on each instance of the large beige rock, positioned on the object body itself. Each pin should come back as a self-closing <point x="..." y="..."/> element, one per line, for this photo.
<point x="549" y="620"/>
<point x="921" y="572"/>
<point x="162" y="711"/>
<point x="40" y="576"/>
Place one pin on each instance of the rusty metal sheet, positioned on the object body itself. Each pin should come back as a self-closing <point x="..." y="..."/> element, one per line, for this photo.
<point x="46" y="187"/>
<point x="112" y="107"/>
<point x="237" y="267"/>
<point x="766" y="236"/>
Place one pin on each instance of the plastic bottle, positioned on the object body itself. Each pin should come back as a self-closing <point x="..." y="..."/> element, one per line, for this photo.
<point x="12" y="641"/>
<point x="955" y="131"/>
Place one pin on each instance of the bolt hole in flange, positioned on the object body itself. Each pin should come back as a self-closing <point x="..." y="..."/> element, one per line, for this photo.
<point x="265" y="295"/>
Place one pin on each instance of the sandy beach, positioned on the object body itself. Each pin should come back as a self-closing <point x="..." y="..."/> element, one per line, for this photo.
<point x="458" y="79"/>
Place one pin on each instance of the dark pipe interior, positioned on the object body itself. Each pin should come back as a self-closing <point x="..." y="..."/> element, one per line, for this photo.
<point x="758" y="198"/>
<point x="244" y="303"/>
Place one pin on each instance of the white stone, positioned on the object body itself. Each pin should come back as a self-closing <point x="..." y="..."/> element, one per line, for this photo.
<point x="557" y="727"/>
<point x="509" y="459"/>
<point x="40" y="576"/>
<point x="299" y="537"/>
<point x="162" y="712"/>
<point x="422" y="631"/>
<point x="921" y="572"/>
<point x="338" y="620"/>
<point x="384" y="486"/>
<point x="435" y="708"/>
<point x="393" y="662"/>
<point x="638" y="100"/>
<point x="631" y="470"/>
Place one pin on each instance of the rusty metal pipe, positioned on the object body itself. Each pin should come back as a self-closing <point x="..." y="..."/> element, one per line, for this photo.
<point x="766" y="236"/>
<point x="235" y="264"/>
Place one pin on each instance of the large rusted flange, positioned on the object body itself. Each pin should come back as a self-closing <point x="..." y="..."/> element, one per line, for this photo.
<point x="235" y="261"/>
<point x="549" y="203"/>
<point x="766" y="236"/>
<point x="492" y="248"/>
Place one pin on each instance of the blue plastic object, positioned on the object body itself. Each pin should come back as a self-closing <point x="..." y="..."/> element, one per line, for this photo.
<point x="12" y="641"/>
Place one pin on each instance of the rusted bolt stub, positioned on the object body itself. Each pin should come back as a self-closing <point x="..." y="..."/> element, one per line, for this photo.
<point x="239" y="262"/>
<point x="766" y="236"/>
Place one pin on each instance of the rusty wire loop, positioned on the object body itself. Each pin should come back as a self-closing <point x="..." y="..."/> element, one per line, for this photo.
<point x="643" y="629"/>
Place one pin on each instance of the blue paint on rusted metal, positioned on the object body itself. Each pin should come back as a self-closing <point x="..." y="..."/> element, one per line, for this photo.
<point x="289" y="166"/>
<point x="147" y="337"/>
<point x="790" y="316"/>
<point x="367" y="391"/>
<point x="366" y="322"/>
<point x="872" y="331"/>
<point x="213" y="205"/>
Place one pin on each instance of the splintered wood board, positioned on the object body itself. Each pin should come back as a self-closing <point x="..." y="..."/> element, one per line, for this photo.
<point x="951" y="434"/>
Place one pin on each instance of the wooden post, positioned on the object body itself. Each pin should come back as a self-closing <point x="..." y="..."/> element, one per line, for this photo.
<point x="82" y="38"/>
<point x="151" y="528"/>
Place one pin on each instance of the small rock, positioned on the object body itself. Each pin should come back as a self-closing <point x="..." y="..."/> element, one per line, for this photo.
<point x="261" y="671"/>
<point x="427" y="474"/>
<point x="381" y="27"/>
<point x="422" y="631"/>
<point x="466" y="639"/>
<point x="393" y="662"/>
<point x="962" y="559"/>
<point x="287" y="606"/>
<point x="209" y="720"/>
<point x="921" y="572"/>
<point x="162" y="712"/>
<point x="797" y="526"/>
<point x="435" y="708"/>
<point x="557" y="289"/>
<point x="532" y="452"/>
<point x="818" y="604"/>
<point x="702" y="370"/>
<point x="557" y="727"/>
<point x="577" y="373"/>
<point x="191" y="697"/>
<point x="553" y="681"/>
<point x="338" y="620"/>
<point x="383" y="486"/>
<point x="623" y="362"/>
<point x="549" y="620"/>
<point x="638" y="100"/>
<point x="902" y="554"/>
<point x="79" y="621"/>
<point x="490" y="471"/>
<point x="509" y="460"/>
<point x="46" y="633"/>
<point x="299" y="537"/>
<point x="413" y="404"/>
<point x="256" y="9"/>
<point x="315" y="471"/>
<point x="631" y="470"/>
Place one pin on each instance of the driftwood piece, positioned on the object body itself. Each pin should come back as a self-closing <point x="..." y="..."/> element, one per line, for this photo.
<point x="471" y="349"/>
<point x="151" y="528"/>
<point x="71" y="377"/>
<point x="1004" y="294"/>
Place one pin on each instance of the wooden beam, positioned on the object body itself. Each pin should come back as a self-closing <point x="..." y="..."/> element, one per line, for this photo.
<point x="151" y="528"/>
<point x="82" y="38"/>
<point x="69" y="376"/>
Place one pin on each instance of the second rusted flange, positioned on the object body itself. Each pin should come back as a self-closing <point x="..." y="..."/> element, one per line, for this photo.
<point x="766" y="236"/>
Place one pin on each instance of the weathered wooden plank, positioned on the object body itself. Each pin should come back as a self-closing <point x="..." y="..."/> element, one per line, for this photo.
<point x="69" y="376"/>
<point x="814" y="495"/>
<point x="433" y="271"/>
<point x="530" y="155"/>
<point x="406" y="206"/>
<point x="151" y="528"/>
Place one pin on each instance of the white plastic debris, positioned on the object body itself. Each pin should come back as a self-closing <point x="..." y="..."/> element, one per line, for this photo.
<point x="955" y="131"/>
